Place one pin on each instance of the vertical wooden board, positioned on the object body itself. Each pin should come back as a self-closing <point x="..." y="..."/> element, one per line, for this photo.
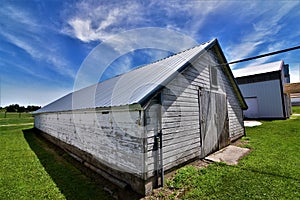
<point x="208" y="126"/>
<point x="214" y="121"/>
<point x="182" y="93"/>
<point x="180" y="112"/>
<point x="235" y="113"/>
<point x="222" y="120"/>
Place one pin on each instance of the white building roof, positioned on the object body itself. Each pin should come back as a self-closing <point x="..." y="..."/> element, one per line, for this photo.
<point x="259" y="69"/>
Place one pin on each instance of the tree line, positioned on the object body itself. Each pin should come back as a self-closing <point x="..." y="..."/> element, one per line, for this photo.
<point x="17" y="108"/>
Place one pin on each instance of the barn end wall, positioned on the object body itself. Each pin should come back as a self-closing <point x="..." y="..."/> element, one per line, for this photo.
<point x="110" y="140"/>
<point x="180" y="123"/>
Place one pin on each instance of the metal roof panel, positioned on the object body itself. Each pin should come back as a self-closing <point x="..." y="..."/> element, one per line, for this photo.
<point x="128" y="88"/>
<point x="259" y="69"/>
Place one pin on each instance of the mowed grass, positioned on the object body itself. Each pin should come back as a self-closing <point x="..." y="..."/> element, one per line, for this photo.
<point x="31" y="168"/>
<point x="270" y="171"/>
<point x="15" y="118"/>
<point x="296" y="109"/>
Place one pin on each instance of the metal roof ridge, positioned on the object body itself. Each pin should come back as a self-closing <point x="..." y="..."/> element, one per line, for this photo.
<point x="248" y="71"/>
<point x="154" y="62"/>
<point x="181" y="59"/>
<point x="142" y="66"/>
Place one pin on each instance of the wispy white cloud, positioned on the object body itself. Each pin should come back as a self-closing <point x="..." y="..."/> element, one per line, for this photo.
<point x="40" y="41"/>
<point x="251" y="47"/>
<point x="121" y="65"/>
<point x="242" y="50"/>
<point x="21" y="29"/>
<point x="20" y="43"/>
<point x="195" y="15"/>
<point x="157" y="54"/>
<point x="111" y="18"/>
<point x="266" y="25"/>
<point x="96" y="22"/>
<point x="10" y="13"/>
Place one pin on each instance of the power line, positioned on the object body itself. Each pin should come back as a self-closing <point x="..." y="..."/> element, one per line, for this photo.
<point x="264" y="55"/>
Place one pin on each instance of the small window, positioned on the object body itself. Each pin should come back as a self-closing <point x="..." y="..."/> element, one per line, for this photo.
<point x="214" y="77"/>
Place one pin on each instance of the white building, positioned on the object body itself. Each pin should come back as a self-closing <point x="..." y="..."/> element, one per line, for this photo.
<point x="263" y="89"/>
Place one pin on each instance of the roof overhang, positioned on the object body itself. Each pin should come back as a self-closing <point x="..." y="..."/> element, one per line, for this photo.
<point x="218" y="51"/>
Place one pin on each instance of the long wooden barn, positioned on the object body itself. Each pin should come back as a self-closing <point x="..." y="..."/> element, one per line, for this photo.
<point x="137" y="126"/>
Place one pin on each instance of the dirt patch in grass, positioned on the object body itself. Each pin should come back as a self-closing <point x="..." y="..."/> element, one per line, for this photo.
<point x="243" y="142"/>
<point x="169" y="191"/>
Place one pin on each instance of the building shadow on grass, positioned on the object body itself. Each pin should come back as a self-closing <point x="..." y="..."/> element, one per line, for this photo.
<point x="74" y="180"/>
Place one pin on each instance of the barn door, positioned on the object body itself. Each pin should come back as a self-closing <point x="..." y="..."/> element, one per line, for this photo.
<point x="213" y="121"/>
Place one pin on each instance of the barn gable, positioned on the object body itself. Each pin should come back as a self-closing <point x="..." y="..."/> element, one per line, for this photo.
<point x="154" y="118"/>
<point x="190" y="115"/>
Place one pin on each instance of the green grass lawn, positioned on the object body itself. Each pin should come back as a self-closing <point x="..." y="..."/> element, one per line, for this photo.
<point x="296" y="109"/>
<point x="15" y="118"/>
<point x="32" y="168"/>
<point x="270" y="171"/>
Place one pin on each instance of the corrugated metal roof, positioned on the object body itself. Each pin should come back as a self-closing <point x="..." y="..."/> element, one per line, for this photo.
<point x="260" y="69"/>
<point x="128" y="88"/>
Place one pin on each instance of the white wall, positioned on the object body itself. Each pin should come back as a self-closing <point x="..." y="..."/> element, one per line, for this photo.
<point x="180" y="114"/>
<point x="268" y="97"/>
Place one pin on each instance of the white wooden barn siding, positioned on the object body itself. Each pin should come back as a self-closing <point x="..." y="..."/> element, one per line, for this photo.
<point x="180" y="114"/>
<point x="235" y="113"/>
<point x="268" y="97"/>
<point x="115" y="138"/>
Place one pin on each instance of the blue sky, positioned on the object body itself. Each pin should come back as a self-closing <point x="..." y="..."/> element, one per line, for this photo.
<point x="43" y="44"/>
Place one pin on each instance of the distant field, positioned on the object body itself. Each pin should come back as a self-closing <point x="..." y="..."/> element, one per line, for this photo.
<point x="15" y="118"/>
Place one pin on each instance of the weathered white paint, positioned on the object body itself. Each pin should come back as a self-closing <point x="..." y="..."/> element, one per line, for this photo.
<point x="126" y="139"/>
<point x="180" y="116"/>
<point x="214" y="122"/>
<point x="113" y="137"/>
